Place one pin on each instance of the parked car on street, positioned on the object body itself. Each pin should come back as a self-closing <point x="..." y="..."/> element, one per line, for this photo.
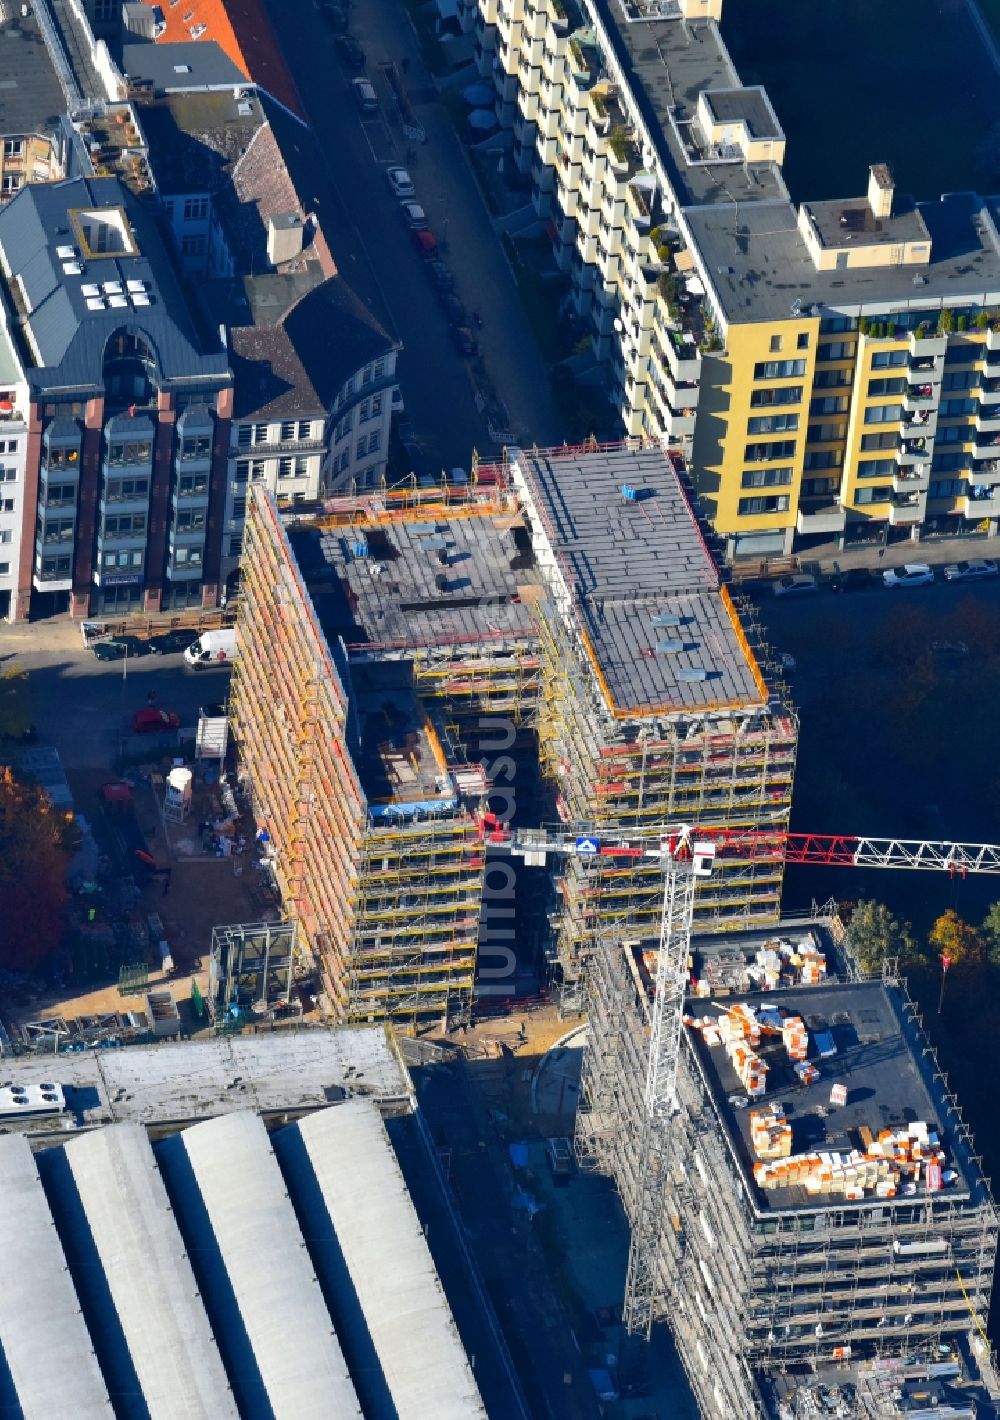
<point x="911" y="574"/>
<point x="364" y="96"/>
<point x="350" y="52"/>
<point x="854" y="579"/>
<point x="440" y="277"/>
<point x="975" y="571"/>
<point x="116" y="648"/>
<point x="426" y="244"/>
<point x="798" y="585"/>
<point x="464" y="340"/>
<point x="414" y="216"/>
<point x="171" y="643"/>
<point x="149" y="719"/>
<point x="400" y="182"/>
<point x="452" y="307"/>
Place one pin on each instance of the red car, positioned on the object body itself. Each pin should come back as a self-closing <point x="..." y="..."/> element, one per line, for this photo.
<point x="426" y="244"/>
<point x="149" y="719"/>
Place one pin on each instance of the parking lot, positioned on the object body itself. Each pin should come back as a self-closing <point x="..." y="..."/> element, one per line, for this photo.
<point x="373" y="248"/>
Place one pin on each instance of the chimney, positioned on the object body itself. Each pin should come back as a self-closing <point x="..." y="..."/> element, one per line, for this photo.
<point x="880" y="190"/>
<point x="284" y="237"/>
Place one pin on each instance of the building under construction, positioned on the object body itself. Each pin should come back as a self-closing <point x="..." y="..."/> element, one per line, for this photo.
<point x="567" y="594"/>
<point x="655" y="707"/>
<point x="819" y="1231"/>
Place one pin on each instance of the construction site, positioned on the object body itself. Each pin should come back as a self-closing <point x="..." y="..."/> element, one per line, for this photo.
<point x="566" y="596"/>
<point x="809" y="1211"/>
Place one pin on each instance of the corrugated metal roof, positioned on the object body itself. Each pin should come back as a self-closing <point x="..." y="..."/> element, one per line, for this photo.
<point x="392" y="1274"/>
<point x="45" y="1343"/>
<point x="145" y="1272"/>
<point x="256" y="1274"/>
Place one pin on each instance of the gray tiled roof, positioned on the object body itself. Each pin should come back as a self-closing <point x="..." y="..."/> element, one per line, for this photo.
<point x="68" y="340"/>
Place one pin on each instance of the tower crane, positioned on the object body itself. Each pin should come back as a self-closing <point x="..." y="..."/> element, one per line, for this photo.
<point x="688" y="855"/>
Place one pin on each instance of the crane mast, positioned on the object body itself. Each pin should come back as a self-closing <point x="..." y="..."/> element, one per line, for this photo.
<point x="687" y="855"/>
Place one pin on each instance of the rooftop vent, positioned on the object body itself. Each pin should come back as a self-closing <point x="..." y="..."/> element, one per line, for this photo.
<point x="693" y="673"/>
<point x="140" y="299"/>
<point x="669" y="647"/>
<point x="95" y="303"/>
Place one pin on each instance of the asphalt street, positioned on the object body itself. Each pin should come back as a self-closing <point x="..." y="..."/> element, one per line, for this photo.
<point x="373" y="249"/>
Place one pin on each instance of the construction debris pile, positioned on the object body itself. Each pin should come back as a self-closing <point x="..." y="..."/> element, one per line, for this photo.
<point x="740" y="1029"/>
<point x="779" y="962"/>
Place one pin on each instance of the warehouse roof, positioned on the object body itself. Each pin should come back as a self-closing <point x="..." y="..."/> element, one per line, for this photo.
<point x="645" y="590"/>
<point x="256" y="1276"/>
<point x="137" y="1282"/>
<point x="878" y="1057"/>
<point x="177" y="1083"/>
<point x="46" y="1348"/>
<point x="370" y="1220"/>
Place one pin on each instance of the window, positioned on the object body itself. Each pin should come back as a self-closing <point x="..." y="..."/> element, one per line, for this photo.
<point x="374" y="438"/>
<point x="13" y="147"/>
<point x="958" y="406"/>
<point x="288" y="430"/>
<point x="378" y="369"/>
<point x="130" y="453"/>
<point x="775" y="344"/>
<point x="788" y="394"/>
<point x="125" y="525"/>
<point x="191" y="484"/>
<point x="106" y="10"/>
<point x="767" y="477"/>
<point x="8" y="475"/>
<point x="879" y="494"/>
<point x="883" y="413"/>
<point x="776" y="503"/>
<point x="779" y="369"/>
<point x="236" y="545"/>
<point x="802" y="340"/>
<point x="960" y="379"/>
<point x="772" y="423"/>
<point x="955" y="434"/>
<point x="815" y="487"/>
<point x="893" y="384"/>
<point x="199" y="447"/>
<point x="195" y="209"/>
<point x="947" y="488"/>
<point x="776" y="449"/>
<point x="121" y="488"/>
<point x="7" y="535"/>
<point x="345" y="426"/>
<point x="7" y="505"/>
<point x="836" y="325"/>
<point x="945" y="463"/>
<point x="239" y="507"/>
<point x="187" y="556"/>
<point x="889" y="359"/>
<point x="829" y="404"/>
<point x="53" y="530"/>
<point x="878" y="441"/>
<point x="8" y="446"/>
<point x="305" y="429"/>
<point x="191" y="519"/>
<point x="249" y="468"/>
<point x="825" y="433"/>
<point x="826" y="458"/>
<point x="876" y="468"/>
<point x="12" y="182"/>
<point x="244" y="436"/>
<point x="285" y="467"/>
<point x="4" y="569"/>
<point x="56" y="567"/>
<point x="832" y="379"/>
<point x="193" y="246"/>
<point x="836" y="350"/>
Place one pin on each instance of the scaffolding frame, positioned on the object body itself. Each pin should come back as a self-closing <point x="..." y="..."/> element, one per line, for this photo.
<point x="251" y="969"/>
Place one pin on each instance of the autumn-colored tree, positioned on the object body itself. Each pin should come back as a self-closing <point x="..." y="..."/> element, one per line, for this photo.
<point x="951" y="937"/>
<point x="33" y="860"/>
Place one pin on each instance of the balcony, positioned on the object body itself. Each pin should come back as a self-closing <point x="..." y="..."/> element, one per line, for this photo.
<point x="913" y="451"/>
<point x="993" y="339"/>
<point x="683" y="356"/>
<point x="911" y="479"/>
<point x="986" y="472"/>
<point x="986" y="448"/>
<point x="975" y="507"/>
<point x="988" y="419"/>
<point x="917" y="396"/>
<point x="927" y="345"/>
<point x="906" y="508"/>
<point x="922" y="424"/>
<point x="820" y="518"/>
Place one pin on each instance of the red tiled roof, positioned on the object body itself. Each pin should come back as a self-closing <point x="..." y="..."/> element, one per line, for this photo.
<point x="242" y="29"/>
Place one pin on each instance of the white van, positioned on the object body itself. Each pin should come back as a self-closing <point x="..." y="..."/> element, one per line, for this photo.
<point x="212" y="648"/>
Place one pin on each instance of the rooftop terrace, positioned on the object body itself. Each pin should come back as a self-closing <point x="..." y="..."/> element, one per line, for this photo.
<point x="660" y="627"/>
<point x="860" y="1039"/>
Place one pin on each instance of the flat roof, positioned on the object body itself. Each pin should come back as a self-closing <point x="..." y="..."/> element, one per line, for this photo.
<point x="143" y="1288"/>
<point x="400" y="759"/>
<point x="645" y="588"/>
<point x="257" y="1276"/>
<point x="757" y="262"/>
<point x="31" y="97"/>
<point x="443" y="579"/>
<point x="178" y="1082"/>
<point x="174" y="68"/>
<point x="878" y="1060"/>
<point x="745" y="105"/>
<point x="669" y="65"/>
<point x="45" y="1344"/>
<point x="850" y="222"/>
<point x="389" y="1268"/>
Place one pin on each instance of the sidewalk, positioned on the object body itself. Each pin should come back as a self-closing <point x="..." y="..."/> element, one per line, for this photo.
<point x="934" y="551"/>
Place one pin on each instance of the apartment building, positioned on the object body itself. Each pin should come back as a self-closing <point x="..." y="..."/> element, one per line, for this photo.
<point x="825" y="370"/>
<point x="33" y="141"/>
<point x="313" y="368"/>
<point x="126" y="408"/>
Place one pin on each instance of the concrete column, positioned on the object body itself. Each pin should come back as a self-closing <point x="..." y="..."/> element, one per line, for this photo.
<point x="86" y="508"/>
<point x="21" y="608"/>
<point x="159" y="501"/>
<point x="215" y="533"/>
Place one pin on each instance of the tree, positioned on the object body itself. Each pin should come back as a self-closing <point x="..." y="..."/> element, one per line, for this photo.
<point x="990" y="933"/>
<point x="873" y="934"/>
<point x="34" y="841"/>
<point x="15" y="706"/>
<point x="951" y="937"/>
